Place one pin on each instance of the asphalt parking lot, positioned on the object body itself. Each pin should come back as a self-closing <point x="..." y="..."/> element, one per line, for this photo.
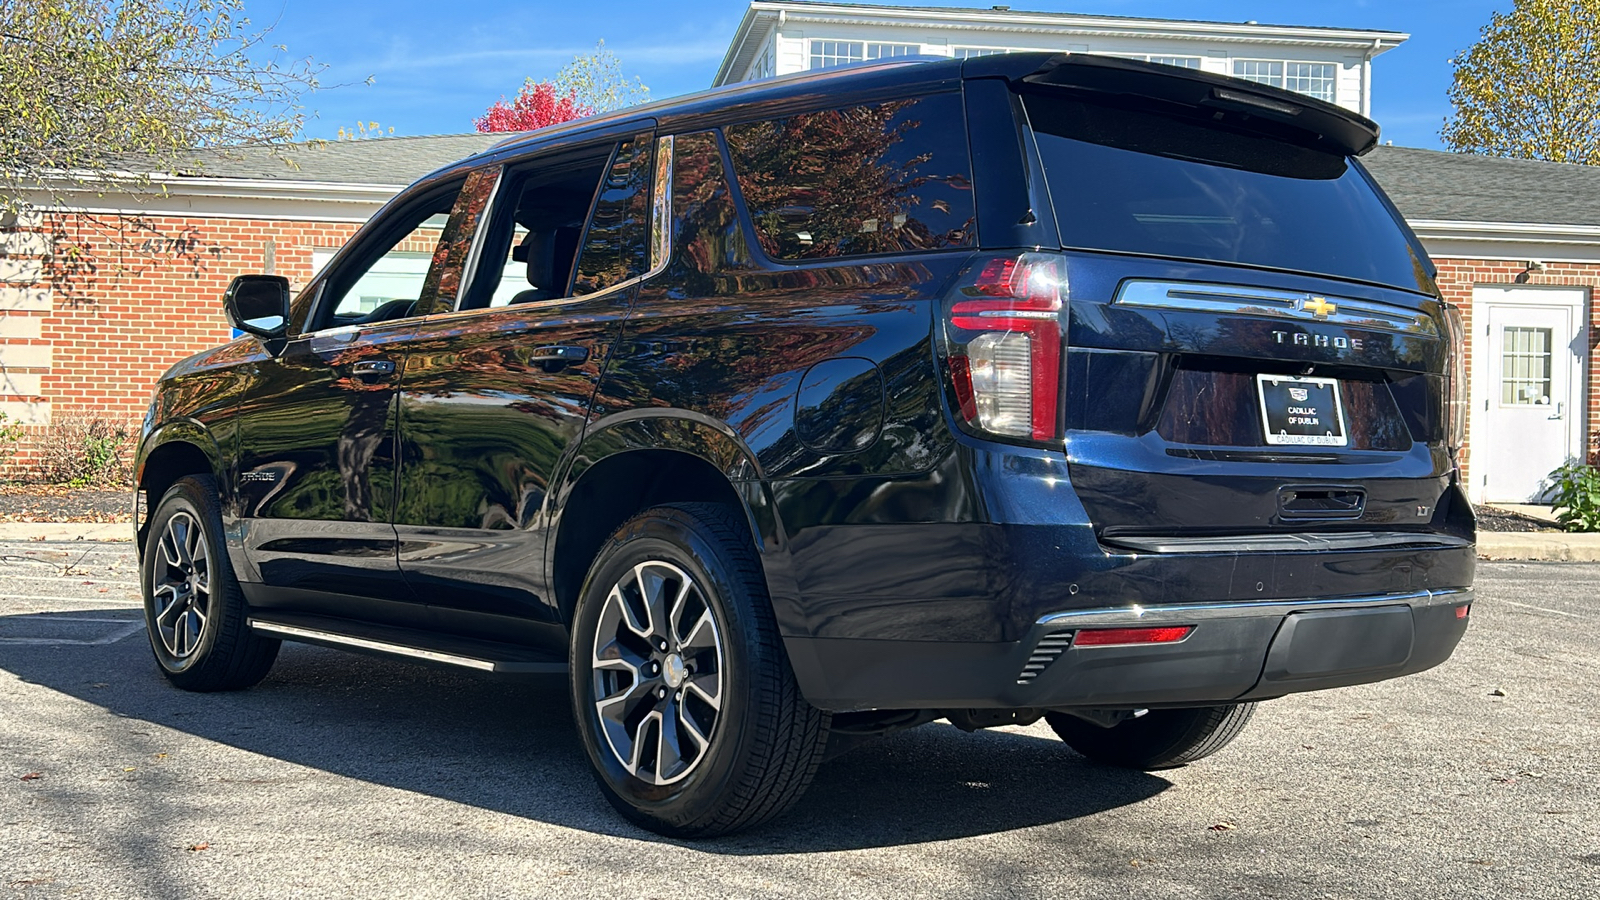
<point x="348" y="776"/>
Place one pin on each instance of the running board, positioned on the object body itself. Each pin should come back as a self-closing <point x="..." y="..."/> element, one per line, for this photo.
<point x="406" y="643"/>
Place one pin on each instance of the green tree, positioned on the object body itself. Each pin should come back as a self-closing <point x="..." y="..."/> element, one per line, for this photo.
<point x="89" y="86"/>
<point x="595" y="80"/>
<point x="1530" y="87"/>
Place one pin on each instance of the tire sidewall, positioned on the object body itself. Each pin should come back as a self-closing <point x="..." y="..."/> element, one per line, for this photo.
<point x="188" y="496"/>
<point x="669" y="537"/>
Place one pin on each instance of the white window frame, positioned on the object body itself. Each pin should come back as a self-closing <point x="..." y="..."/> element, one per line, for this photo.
<point x="973" y="52"/>
<point x="816" y="47"/>
<point x="1283" y="78"/>
<point x="875" y="49"/>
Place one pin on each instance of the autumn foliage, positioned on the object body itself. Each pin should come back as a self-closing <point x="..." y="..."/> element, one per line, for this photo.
<point x="536" y="106"/>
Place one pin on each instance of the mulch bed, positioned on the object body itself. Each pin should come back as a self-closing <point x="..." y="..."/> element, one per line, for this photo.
<point x="1493" y="519"/>
<point x="63" y="503"/>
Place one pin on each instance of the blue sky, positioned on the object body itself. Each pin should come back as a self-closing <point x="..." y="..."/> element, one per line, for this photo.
<point x="436" y="65"/>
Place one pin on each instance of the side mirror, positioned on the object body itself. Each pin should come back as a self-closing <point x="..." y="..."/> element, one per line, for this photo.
<point x="259" y="305"/>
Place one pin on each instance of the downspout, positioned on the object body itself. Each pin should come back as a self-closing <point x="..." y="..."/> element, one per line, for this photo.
<point x="1366" y="77"/>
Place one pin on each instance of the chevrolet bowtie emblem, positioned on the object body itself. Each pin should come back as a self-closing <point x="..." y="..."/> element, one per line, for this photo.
<point x="1319" y="307"/>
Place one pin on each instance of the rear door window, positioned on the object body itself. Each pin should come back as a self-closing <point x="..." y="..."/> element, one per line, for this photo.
<point x="1137" y="182"/>
<point x="861" y="180"/>
<point x="569" y="224"/>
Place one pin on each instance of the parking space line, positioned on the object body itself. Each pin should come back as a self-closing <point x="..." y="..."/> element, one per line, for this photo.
<point x="131" y="629"/>
<point x="7" y="576"/>
<point x="1557" y="612"/>
<point x="5" y="596"/>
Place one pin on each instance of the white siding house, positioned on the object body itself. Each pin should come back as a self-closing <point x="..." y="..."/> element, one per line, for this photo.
<point x="786" y="36"/>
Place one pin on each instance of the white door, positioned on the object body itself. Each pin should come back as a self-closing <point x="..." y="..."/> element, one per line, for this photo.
<point x="1529" y="349"/>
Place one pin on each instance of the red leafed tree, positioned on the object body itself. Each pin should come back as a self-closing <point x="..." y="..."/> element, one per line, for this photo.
<point x="536" y="106"/>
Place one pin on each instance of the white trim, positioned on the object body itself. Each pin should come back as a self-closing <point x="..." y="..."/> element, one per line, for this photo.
<point x="226" y="198"/>
<point x="763" y="16"/>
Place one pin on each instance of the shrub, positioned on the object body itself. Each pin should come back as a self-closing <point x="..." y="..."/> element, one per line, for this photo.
<point x="82" y="451"/>
<point x="1577" y="496"/>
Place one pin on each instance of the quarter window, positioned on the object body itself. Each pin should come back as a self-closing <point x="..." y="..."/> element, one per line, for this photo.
<point x="1319" y="80"/>
<point x="884" y="178"/>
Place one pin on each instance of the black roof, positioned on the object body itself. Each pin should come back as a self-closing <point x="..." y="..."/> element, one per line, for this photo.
<point x="1463" y="187"/>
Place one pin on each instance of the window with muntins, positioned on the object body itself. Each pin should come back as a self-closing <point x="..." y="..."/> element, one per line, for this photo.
<point x="884" y="178"/>
<point x="826" y="54"/>
<point x="889" y="51"/>
<point x="1319" y="80"/>
<point x="970" y="52"/>
<point x="1525" y="363"/>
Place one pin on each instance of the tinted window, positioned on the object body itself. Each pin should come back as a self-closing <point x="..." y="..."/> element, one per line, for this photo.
<point x="885" y="178"/>
<point x="614" y="246"/>
<point x="1141" y="183"/>
<point x="530" y="254"/>
<point x="708" y="239"/>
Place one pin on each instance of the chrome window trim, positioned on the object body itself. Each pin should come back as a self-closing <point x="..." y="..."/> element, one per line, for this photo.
<point x="1370" y="315"/>
<point x="1180" y="613"/>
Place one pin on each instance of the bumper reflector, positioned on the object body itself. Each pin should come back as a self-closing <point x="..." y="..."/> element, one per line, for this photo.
<point x="1122" y="637"/>
<point x="1462" y="610"/>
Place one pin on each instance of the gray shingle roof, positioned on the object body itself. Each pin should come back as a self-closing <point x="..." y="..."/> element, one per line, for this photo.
<point x="387" y="161"/>
<point x="1462" y="187"/>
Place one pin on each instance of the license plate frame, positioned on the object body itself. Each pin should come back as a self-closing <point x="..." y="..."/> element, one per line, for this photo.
<point x="1301" y="411"/>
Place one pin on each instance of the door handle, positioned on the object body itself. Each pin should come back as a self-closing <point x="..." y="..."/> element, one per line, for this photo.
<point x="372" y="368"/>
<point x="556" y="357"/>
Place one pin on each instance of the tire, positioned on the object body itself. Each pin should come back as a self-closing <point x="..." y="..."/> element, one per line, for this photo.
<point x="708" y="733"/>
<point x="1159" y="739"/>
<point x="193" y="609"/>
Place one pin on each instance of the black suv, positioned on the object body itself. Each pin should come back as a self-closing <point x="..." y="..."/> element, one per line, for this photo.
<point x="789" y="414"/>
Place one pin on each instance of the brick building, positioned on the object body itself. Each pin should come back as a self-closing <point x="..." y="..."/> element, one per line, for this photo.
<point x="95" y="304"/>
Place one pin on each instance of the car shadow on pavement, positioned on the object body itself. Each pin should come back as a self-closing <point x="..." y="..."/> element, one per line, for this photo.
<point x="511" y="747"/>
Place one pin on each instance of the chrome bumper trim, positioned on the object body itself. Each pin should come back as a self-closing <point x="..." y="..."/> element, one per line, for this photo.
<point x="1177" y="613"/>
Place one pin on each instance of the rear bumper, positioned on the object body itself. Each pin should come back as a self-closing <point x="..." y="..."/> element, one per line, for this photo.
<point x="1238" y="650"/>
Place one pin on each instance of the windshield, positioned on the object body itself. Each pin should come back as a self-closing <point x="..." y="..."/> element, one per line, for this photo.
<point x="1137" y="182"/>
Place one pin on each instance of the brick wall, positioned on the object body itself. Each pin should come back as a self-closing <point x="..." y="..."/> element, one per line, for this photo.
<point x="1457" y="278"/>
<point x="94" y="308"/>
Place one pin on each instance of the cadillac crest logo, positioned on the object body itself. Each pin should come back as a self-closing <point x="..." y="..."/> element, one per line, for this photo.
<point x="1299" y="394"/>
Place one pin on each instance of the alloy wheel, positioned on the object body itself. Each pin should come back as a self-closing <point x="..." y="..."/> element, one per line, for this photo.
<point x="182" y="586"/>
<point x="658" y="672"/>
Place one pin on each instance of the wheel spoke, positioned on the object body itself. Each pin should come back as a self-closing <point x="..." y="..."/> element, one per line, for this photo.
<point x="702" y="636"/>
<point x="167" y="616"/>
<point x="713" y="700"/>
<point x="670" y="761"/>
<point x="692" y="729"/>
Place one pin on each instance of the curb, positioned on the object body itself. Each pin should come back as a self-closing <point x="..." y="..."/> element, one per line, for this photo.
<point x="1539" y="545"/>
<point x="66" y="531"/>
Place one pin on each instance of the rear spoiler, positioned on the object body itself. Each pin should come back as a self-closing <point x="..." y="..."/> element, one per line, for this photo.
<point x="1285" y="115"/>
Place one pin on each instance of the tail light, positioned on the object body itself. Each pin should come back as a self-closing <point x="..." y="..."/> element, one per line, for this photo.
<point x="1455" y="379"/>
<point x="1004" y="346"/>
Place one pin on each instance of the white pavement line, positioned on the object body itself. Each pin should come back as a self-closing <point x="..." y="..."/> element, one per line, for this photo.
<point x="1556" y="612"/>
<point x="7" y="576"/>
<point x="106" y="596"/>
<point x="132" y="629"/>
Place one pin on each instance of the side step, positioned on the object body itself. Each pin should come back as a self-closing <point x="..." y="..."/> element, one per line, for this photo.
<point x="409" y="643"/>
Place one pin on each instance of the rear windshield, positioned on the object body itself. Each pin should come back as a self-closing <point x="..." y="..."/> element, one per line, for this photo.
<point x="1137" y="182"/>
